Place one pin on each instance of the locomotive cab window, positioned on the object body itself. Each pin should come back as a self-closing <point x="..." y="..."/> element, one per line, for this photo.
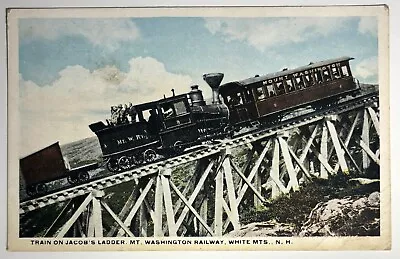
<point x="168" y="111"/>
<point x="180" y="108"/>
<point x="175" y="113"/>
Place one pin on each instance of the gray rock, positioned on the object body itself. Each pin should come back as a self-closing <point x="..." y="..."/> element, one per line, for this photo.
<point x="264" y="229"/>
<point x="344" y="217"/>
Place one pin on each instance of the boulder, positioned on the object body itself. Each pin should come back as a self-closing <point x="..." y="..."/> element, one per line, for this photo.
<point x="348" y="216"/>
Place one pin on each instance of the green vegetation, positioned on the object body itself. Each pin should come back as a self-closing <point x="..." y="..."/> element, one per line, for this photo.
<point x="295" y="207"/>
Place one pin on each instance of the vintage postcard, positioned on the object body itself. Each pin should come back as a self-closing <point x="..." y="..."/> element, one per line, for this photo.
<point x="203" y="128"/>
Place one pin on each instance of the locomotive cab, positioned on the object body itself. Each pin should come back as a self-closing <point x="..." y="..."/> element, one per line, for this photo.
<point x="178" y="129"/>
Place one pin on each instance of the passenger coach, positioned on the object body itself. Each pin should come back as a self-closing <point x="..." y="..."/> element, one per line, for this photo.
<point x="267" y="98"/>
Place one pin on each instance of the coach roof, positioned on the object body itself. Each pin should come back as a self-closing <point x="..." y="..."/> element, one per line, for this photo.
<point x="255" y="79"/>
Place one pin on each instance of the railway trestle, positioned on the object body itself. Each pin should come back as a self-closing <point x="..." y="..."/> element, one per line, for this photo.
<point x="204" y="193"/>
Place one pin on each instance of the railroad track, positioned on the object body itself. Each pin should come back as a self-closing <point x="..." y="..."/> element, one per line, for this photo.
<point x="152" y="169"/>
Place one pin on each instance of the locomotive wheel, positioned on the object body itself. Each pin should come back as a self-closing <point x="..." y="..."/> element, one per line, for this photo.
<point x="83" y="176"/>
<point x="228" y="132"/>
<point x="137" y="159"/>
<point x="112" y="165"/>
<point x="178" y="148"/>
<point x="41" y="188"/>
<point x="124" y="162"/>
<point x="150" y="155"/>
<point x="72" y="179"/>
<point x="31" y="190"/>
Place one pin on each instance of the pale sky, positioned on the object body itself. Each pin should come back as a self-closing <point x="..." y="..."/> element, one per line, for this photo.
<point x="72" y="70"/>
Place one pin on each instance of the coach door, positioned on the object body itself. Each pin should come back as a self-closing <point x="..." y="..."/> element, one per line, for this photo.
<point x="238" y="104"/>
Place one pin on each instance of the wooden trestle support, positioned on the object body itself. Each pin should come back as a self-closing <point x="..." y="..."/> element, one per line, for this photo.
<point x="209" y="196"/>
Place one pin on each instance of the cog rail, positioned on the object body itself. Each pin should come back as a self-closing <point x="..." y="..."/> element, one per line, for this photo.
<point x="154" y="168"/>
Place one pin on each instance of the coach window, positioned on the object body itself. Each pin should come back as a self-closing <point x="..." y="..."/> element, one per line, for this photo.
<point x="299" y="82"/>
<point x="345" y="70"/>
<point x="289" y="86"/>
<point x="327" y="75"/>
<point x="271" y="90"/>
<point x="318" y="76"/>
<point x="308" y="80"/>
<point x="280" y="88"/>
<point x="335" y="73"/>
<point x="259" y="93"/>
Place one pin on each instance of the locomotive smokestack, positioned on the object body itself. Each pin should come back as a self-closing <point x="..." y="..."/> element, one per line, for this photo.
<point x="213" y="80"/>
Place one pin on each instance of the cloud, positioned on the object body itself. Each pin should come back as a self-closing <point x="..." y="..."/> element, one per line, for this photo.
<point x="274" y="31"/>
<point x="368" y="25"/>
<point x="367" y="68"/>
<point x="106" y="32"/>
<point x="62" y="110"/>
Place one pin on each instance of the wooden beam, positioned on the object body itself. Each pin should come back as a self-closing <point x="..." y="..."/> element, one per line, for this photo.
<point x="80" y="228"/>
<point x="231" y="191"/>
<point x="97" y="219"/>
<point x="243" y="177"/>
<point x="125" y="209"/>
<point x="135" y="208"/>
<point x="64" y="229"/>
<point x="158" y="209"/>
<point x="349" y="155"/>
<point x="338" y="148"/>
<point x="90" y="225"/>
<point x="203" y="214"/>
<point x="143" y="220"/>
<point x="253" y="172"/>
<point x="219" y="188"/>
<point x="61" y="214"/>
<point x="172" y="228"/>
<point x="309" y="143"/>
<point x="324" y="152"/>
<point x="245" y="169"/>
<point x="274" y="173"/>
<point x="293" y="183"/>
<point x="374" y="118"/>
<point x="190" y="184"/>
<point x="322" y="160"/>
<point x="353" y="126"/>
<point x="348" y="138"/>
<point x="201" y="220"/>
<point x="369" y="152"/>
<point x="365" y="139"/>
<point x="117" y="219"/>
<point x="299" y="163"/>
<point x="195" y="193"/>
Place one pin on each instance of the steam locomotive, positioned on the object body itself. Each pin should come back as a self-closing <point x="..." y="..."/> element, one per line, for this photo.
<point x="174" y="124"/>
<point x="168" y="126"/>
<point x="260" y="99"/>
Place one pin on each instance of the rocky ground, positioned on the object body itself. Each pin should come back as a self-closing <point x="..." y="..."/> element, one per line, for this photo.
<point x="336" y="207"/>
